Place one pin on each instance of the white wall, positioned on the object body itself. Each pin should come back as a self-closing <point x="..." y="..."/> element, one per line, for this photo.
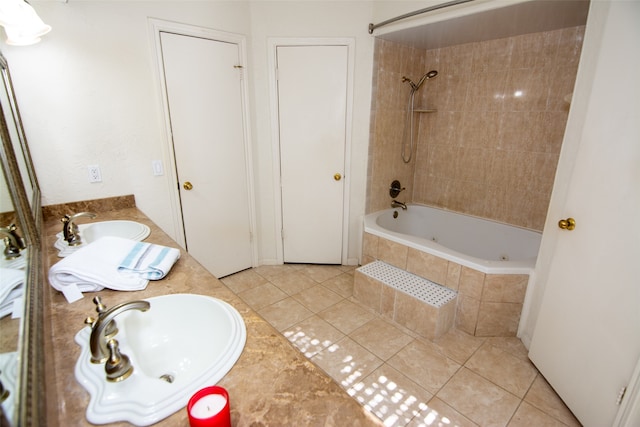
<point x="88" y="96"/>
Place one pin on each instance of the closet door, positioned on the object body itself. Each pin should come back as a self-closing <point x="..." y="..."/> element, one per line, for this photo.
<point x="312" y="102"/>
<point x="204" y="93"/>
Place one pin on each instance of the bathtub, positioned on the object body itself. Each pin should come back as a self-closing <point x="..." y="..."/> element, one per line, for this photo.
<point x="483" y="245"/>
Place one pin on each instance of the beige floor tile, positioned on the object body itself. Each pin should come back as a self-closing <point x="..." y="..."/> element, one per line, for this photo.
<point x="542" y="396"/>
<point x="320" y="273"/>
<point x="284" y="313"/>
<point x="346" y="316"/>
<point x="391" y="396"/>
<point x="424" y="364"/>
<point x="458" y="345"/>
<point x="346" y="362"/>
<point x="381" y="338"/>
<point x="341" y="284"/>
<point x="243" y="281"/>
<point x="479" y="399"/>
<point x="262" y="296"/>
<point x="502" y="368"/>
<point x="347" y="268"/>
<point x="439" y="414"/>
<point x="528" y="415"/>
<point x="312" y="335"/>
<point x="293" y="282"/>
<point x="511" y="345"/>
<point x="317" y="298"/>
<point x="271" y="271"/>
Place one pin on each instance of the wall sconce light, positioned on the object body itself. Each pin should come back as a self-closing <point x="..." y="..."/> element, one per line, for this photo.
<point x="21" y="23"/>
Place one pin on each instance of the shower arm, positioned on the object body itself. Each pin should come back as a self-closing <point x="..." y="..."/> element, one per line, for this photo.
<point x="416" y="12"/>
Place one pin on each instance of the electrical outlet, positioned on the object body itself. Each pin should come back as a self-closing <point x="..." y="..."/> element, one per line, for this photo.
<point x="157" y="167"/>
<point x="94" y="173"/>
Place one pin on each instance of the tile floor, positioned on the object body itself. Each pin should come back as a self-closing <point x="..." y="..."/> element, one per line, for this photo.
<point x="405" y="380"/>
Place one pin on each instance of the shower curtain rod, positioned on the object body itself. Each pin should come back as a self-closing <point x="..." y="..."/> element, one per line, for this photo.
<point x="416" y="12"/>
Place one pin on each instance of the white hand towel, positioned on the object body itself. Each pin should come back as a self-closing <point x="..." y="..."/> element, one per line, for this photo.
<point x="95" y="267"/>
<point x="149" y="261"/>
<point x="11" y="288"/>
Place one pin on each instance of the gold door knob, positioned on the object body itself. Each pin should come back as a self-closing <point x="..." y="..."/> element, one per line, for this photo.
<point x="187" y="185"/>
<point x="337" y="177"/>
<point x="567" y="224"/>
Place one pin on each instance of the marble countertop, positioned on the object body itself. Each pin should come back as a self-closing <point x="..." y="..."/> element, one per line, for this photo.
<point x="271" y="384"/>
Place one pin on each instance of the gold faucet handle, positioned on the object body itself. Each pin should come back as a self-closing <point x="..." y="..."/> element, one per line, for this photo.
<point x="118" y="366"/>
<point x="90" y="321"/>
<point x="112" y="329"/>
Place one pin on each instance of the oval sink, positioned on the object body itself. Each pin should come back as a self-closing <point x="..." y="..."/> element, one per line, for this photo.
<point x="183" y="343"/>
<point x="93" y="231"/>
<point x="120" y="228"/>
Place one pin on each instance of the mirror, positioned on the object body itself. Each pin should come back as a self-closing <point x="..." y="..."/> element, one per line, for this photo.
<point x="18" y="138"/>
<point x="21" y="329"/>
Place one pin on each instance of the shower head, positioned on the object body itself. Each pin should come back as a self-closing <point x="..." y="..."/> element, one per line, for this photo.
<point x="415" y="86"/>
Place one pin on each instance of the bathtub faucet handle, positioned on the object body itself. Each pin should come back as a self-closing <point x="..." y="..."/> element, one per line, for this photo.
<point x="395" y="189"/>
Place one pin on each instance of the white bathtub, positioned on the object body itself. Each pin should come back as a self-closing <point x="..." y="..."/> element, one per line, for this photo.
<point x="483" y="245"/>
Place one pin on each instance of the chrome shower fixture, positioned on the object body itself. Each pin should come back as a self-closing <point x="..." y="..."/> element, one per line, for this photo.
<point x="415" y="86"/>
<point x="408" y="127"/>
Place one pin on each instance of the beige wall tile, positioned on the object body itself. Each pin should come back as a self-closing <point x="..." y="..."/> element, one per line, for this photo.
<point x="505" y="96"/>
<point x="426" y="265"/>
<point x="496" y="319"/>
<point x="370" y="245"/>
<point x="471" y="283"/>
<point x="415" y="315"/>
<point x="388" y="302"/>
<point x="367" y="290"/>
<point x="467" y="314"/>
<point x="453" y="275"/>
<point x="505" y="288"/>
<point x="446" y="318"/>
<point x="392" y="253"/>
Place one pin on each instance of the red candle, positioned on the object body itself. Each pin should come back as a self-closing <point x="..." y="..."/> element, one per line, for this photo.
<point x="209" y="407"/>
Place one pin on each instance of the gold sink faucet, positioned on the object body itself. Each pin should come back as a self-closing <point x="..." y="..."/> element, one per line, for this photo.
<point x="70" y="228"/>
<point x="103" y="347"/>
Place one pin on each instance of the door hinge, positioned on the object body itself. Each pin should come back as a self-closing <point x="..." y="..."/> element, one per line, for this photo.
<point x="240" y="69"/>
<point x="621" y="394"/>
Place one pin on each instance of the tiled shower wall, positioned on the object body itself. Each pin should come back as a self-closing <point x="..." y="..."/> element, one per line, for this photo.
<point x="492" y="147"/>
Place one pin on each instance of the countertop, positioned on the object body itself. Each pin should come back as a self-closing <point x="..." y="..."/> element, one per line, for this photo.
<point x="271" y="384"/>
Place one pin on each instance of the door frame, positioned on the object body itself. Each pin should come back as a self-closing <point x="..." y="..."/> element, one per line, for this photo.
<point x="156" y="26"/>
<point x="273" y="43"/>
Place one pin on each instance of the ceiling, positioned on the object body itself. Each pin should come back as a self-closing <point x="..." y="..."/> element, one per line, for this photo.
<point x="515" y="19"/>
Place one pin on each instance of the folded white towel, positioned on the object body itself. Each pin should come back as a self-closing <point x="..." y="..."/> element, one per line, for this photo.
<point x="95" y="267"/>
<point x="11" y="288"/>
<point x="149" y="261"/>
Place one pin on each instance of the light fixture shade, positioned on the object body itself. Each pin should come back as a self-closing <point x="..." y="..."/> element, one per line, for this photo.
<point x="21" y="23"/>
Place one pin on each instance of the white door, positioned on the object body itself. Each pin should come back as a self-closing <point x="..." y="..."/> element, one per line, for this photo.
<point x="206" y="112"/>
<point x="312" y="102"/>
<point x="587" y="339"/>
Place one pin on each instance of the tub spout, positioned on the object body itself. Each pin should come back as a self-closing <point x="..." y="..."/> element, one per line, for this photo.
<point x="397" y="204"/>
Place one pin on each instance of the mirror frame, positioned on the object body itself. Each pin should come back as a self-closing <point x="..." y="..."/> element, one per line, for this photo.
<point x="31" y="396"/>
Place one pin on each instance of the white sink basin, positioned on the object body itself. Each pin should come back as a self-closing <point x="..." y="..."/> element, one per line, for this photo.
<point x="93" y="231"/>
<point x="183" y="343"/>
